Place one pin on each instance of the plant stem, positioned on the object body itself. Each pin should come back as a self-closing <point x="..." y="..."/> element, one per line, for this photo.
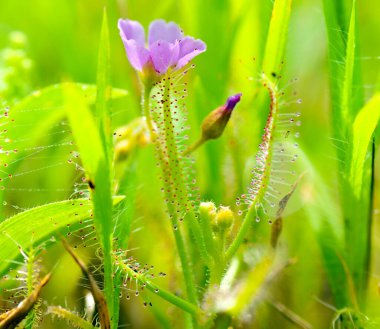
<point x="185" y="262"/>
<point x="194" y="146"/>
<point x="146" y="110"/>
<point x="181" y="303"/>
<point x="241" y="234"/>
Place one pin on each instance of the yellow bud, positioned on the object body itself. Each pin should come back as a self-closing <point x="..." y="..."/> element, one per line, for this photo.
<point x="207" y="209"/>
<point x="224" y="218"/>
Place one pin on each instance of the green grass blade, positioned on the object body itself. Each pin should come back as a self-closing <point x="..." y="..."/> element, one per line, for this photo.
<point x="277" y="36"/>
<point x="346" y="97"/>
<point x="93" y="156"/>
<point x="102" y="195"/>
<point x="335" y="19"/>
<point x="85" y="132"/>
<point x="103" y="94"/>
<point x="364" y="126"/>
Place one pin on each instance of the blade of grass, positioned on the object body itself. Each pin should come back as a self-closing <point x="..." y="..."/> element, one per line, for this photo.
<point x="102" y="197"/>
<point x="346" y="99"/>
<point x="364" y="126"/>
<point x="277" y="36"/>
<point x="359" y="211"/>
<point x="335" y="19"/>
<point x="94" y="159"/>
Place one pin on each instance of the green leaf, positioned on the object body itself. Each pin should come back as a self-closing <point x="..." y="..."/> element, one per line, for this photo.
<point x="363" y="129"/>
<point x="102" y="194"/>
<point x="346" y="98"/>
<point x="85" y="131"/>
<point x="277" y="36"/>
<point x="335" y="18"/>
<point x="103" y="94"/>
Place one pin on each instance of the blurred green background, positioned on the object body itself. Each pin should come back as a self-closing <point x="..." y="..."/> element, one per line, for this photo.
<point x="59" y="42"/>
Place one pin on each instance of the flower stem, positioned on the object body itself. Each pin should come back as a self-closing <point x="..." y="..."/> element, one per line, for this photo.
<point x="164" y="294"/>
<point x="146" y="110"/>
<point x="167" y="172"/>
<point x="241" y="234"/>
<point x="194" y="146"/>
<point x="174" y="170"/>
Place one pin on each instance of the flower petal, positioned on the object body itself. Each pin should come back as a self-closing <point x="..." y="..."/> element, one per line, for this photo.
<point x="189" y="48"/>
<point x="132" y="30"/>
<point x="232" y="101"/>
<point x="159" y="30"/>
<point x="138" y="56"/>
<point x="164" y="54"/>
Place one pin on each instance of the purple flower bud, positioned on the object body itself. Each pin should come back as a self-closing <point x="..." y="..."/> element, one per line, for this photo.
<point x="232" y="101"/>
<point x="167" y="46"/>
<point x="215" y="123"/>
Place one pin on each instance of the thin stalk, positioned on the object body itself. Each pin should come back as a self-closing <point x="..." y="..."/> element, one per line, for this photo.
<point x="181" y="303"/>
<point x="30" y="263"/>
<point x="248" y="220"/>
<point x="146" y="110"/>
<point x="194" y="146"/>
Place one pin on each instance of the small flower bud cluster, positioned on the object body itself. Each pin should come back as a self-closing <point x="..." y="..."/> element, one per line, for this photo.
<point x="221" y="219"/>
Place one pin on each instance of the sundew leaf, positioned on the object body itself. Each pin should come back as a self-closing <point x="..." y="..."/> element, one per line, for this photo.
<point x="277" y="36"/>
<point x="46" y="106"/>
<point x="34" y="226"/>
<point x="363" y="128"/>
<point x="35" y="115"/>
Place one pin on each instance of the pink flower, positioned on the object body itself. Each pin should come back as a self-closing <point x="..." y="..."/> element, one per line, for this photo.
<point x="167" y="46"/>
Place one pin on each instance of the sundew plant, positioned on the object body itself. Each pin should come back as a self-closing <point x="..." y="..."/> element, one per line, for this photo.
<point x="189" y="164"/>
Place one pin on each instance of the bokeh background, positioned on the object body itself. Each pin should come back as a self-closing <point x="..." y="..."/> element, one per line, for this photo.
<point x="45" y="42"/>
